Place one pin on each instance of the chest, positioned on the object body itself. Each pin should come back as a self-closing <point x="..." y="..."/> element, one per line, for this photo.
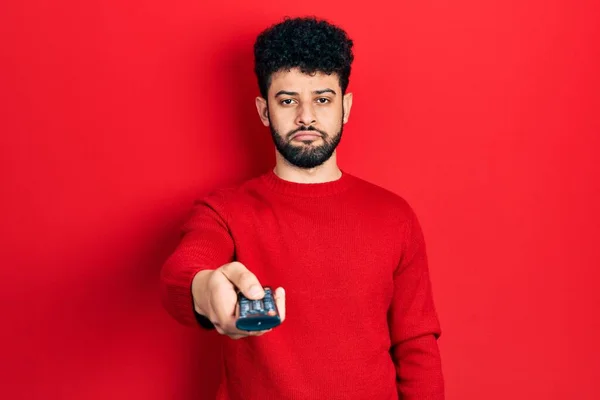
<point x="321" y="256"/>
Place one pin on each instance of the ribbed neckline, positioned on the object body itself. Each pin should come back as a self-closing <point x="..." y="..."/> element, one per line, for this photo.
<point x="280" y="185"/>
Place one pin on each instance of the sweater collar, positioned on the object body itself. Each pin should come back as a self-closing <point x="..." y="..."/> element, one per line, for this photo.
<point x="280" y="185"/>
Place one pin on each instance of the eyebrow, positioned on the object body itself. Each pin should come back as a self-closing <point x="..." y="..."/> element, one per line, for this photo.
<point x="321" y="91"/>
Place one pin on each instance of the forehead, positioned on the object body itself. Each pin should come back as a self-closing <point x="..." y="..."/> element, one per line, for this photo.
<point x="294" y="80"/>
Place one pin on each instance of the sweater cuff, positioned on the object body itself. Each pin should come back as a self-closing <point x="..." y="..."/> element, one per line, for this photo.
<point x="203" y="321"/>
<point x="177" y="295"/>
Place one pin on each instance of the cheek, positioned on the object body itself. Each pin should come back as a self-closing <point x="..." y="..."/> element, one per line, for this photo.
<point x="283" y="118"/>
<point x="329" y="118"/>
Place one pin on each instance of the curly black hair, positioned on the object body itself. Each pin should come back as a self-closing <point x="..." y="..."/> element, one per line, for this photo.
<point x="307" y="43"/>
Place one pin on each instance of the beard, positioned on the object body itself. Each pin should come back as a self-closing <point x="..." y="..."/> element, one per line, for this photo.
<point x="307" y="155"/>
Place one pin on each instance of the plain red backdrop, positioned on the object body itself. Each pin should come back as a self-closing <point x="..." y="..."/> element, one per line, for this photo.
<point x="116" y="115"/>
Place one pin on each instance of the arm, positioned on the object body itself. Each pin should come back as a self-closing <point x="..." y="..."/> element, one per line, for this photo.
<point x="413" y="322"/>
<point x="205" y="244"/>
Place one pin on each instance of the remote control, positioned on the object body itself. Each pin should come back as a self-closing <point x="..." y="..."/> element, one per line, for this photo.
<point x="257" y="315"/>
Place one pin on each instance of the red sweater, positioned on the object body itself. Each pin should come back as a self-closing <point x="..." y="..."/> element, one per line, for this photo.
<point x="360" y="319"/>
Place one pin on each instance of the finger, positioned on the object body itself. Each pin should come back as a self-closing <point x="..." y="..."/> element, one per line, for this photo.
<point x="259" y="333"/>
<point x="223" y="305"/>
<point x="280" y="302"/>
<point x="242" y="334"/>
<point x="246" y="281"/>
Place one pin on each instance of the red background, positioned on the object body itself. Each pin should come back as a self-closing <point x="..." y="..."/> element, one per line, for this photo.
<point x="115" y="115"/>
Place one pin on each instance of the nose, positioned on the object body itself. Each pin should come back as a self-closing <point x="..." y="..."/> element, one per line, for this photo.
<point x="306" y="115"/>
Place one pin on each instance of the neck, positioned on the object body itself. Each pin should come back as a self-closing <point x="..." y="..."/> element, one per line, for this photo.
<point x="326" y="172"/>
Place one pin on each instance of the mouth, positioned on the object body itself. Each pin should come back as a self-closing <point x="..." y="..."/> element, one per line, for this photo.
<point x="306" y="135"/>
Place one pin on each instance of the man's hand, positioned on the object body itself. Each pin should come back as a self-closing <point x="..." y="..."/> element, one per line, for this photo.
<point x="214" y="293"/>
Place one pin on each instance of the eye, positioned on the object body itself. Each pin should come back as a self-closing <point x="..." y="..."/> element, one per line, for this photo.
<point x="323" y="100"/>
<point x="287" y="102"/>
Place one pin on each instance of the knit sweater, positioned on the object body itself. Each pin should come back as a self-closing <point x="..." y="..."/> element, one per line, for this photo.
<point x="360" y="318"/>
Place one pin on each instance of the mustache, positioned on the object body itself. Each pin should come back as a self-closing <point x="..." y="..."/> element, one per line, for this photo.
<point x="306" y="128"/>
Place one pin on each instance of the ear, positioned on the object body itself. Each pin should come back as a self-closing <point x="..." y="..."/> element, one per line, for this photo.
<point x="347" y="104"/>
<point x="263" y="110"/>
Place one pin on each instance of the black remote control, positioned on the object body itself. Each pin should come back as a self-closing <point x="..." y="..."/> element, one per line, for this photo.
<point x="257" y="315"/>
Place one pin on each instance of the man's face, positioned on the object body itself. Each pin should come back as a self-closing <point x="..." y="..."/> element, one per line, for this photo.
<point x="306" y="115"/>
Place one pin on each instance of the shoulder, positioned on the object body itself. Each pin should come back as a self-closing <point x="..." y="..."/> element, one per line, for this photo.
<point x="213" y="206"/>
<point x="228" y="196"/>
<point x="382" y="198"/>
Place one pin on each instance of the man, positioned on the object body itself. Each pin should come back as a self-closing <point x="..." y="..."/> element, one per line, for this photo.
<point x="361" y="323"/>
